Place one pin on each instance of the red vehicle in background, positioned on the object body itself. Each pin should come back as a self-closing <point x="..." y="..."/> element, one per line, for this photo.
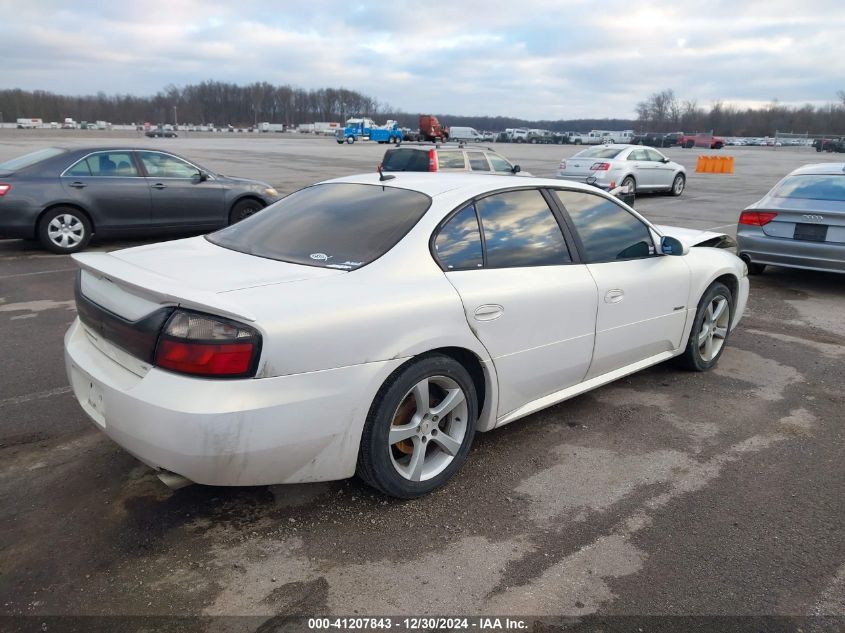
<point x="701" y="140"/>
<point x="431" y="130"/>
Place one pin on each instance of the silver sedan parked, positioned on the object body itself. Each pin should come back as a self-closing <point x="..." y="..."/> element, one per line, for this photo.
<point x="638" y="168"/>
<point x="800" y="223"/>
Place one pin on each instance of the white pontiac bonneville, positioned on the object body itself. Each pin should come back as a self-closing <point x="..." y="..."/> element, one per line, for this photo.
<point x="372" y="324"/>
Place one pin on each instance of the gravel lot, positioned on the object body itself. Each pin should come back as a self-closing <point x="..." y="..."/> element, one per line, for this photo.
<point x="667" y="493"/>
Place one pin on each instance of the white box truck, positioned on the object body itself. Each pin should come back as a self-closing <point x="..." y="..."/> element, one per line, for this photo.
<point x="29" y="124"/>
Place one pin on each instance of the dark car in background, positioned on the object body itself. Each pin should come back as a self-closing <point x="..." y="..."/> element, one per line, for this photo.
<point x="63" y="196"/>
<point x="800" y="223"/>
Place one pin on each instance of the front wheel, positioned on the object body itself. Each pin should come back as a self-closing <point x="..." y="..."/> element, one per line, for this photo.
<point x="244" y="209"/>
<point x="350" y="139"/>
<point x="710" y="329"/>
<point x="64" y="230"/>
<point x="678" y="185"/>
<point x="419" y="429"/>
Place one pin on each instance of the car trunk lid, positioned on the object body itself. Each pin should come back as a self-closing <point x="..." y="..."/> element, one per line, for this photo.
<point x="124" y="298"/>
<point x="804" y="219"/>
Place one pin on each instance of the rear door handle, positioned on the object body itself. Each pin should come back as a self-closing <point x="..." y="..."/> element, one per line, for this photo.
<point x="78" y="185"/>
<point x="614" y="296"/>
<point x="489" y="312"/>
<point x="159" y="185"/>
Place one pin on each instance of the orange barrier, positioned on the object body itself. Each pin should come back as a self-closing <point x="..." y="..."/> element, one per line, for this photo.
<point x="715" y="165"/>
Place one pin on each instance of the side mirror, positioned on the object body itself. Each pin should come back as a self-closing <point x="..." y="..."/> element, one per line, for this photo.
<point x="664" y="160"/>
<point x="201" y="176"/>
<point x="516" y="169"/>
<point x="673" y="246"/>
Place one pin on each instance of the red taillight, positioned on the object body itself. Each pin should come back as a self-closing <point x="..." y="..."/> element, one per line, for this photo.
<point x="205" y="359"/>
<point x="4" y="189"/>
<point x="600" y="166"/>
<point x="432" y="160"/>
<point x="202" y="345"/>
<point x="756" y="218"/>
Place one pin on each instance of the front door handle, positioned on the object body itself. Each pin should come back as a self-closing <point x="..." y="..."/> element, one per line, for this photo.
<point x="489" y="312"/>
<point x="614" y="296"/>
<point x="159" y="185"/>
<point x="78" y="185"/>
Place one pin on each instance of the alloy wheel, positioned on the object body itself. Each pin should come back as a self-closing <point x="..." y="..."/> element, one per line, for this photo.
<point x="428" y="429"/>
<point x="714" y="328"/>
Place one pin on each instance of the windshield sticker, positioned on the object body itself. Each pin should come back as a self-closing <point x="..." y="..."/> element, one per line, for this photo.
<point x="320" y="257"/>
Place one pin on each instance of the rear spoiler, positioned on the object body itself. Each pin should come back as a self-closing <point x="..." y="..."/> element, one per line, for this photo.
<point x="156" y="287"/>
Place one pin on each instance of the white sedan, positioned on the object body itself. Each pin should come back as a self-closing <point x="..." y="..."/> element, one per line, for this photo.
<point x="372" y="325"/>
<point x="637" y="168"/>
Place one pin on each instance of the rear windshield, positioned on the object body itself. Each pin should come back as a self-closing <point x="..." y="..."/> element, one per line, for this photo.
<point x="27" y="160"/>
<point x="598" y="152"/>
<point x="405" y="160"/>
<point x="812" y="187"/>
<point x="333" y="225"/>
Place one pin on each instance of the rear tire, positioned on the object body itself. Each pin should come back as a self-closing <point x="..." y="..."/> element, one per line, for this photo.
<point x="629" y="182"/>
<point x="64" y="230"/>
<point x="710" y="329"/>
<point x="410" y="445"/>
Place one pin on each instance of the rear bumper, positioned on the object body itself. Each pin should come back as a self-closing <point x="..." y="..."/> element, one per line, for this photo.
<point x="17" y="219"/>
<point x="288" y="429"/>
<point x="777" y="251"/>
<point x="601" y="182"/>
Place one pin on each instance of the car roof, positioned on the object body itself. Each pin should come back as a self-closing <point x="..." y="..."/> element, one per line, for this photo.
<point x="820" y="168"/>
<point x="437" y="183"/>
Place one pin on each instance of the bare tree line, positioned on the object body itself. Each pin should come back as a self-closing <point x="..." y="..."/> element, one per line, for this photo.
<point x="664" y="112"/>
<point x="225" y="103"/>
<point x="215" y="102"/>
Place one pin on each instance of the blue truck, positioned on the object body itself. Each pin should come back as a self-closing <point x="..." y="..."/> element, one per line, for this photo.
<point x="366" y="129"/>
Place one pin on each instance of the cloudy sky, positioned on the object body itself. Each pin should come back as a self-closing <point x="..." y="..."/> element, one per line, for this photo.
<point x="528" y="58"/>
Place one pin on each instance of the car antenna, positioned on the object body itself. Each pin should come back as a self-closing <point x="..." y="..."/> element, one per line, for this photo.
<point x="381" y="175"/>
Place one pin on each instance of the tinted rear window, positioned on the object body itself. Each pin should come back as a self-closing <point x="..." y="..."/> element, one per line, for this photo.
<point x="27" y="160"/>
<point x="812" y="187"/>
<point x="405" y="160"/>
<point x="336" y="225"/>
<point x="598" y="152"/>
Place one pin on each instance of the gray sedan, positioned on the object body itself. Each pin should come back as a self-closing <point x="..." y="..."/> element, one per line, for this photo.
<point x="63" y="196"/>
<point x="637" y="168"/>
<point x="800" y="223"/>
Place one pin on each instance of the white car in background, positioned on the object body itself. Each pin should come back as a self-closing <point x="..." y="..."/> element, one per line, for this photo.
<point x="372" y="324"/>
<point x="633" y="167"/>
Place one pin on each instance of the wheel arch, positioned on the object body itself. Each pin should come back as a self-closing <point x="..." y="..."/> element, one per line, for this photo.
<point x="247" y="196"/>
<point x="71" y="205"/>
<point x="483" y="376"/>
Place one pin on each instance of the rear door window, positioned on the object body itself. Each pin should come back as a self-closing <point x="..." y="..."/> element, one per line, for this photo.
<point x="458" y="244"/>
<point x="108" y="164"/>
<point x="450" y="160"/>
<point x="333" y="225"/>
<point x="520" y="230"/>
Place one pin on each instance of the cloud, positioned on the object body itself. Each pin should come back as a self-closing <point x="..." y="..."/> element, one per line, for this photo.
<point x="536" y="59"/>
